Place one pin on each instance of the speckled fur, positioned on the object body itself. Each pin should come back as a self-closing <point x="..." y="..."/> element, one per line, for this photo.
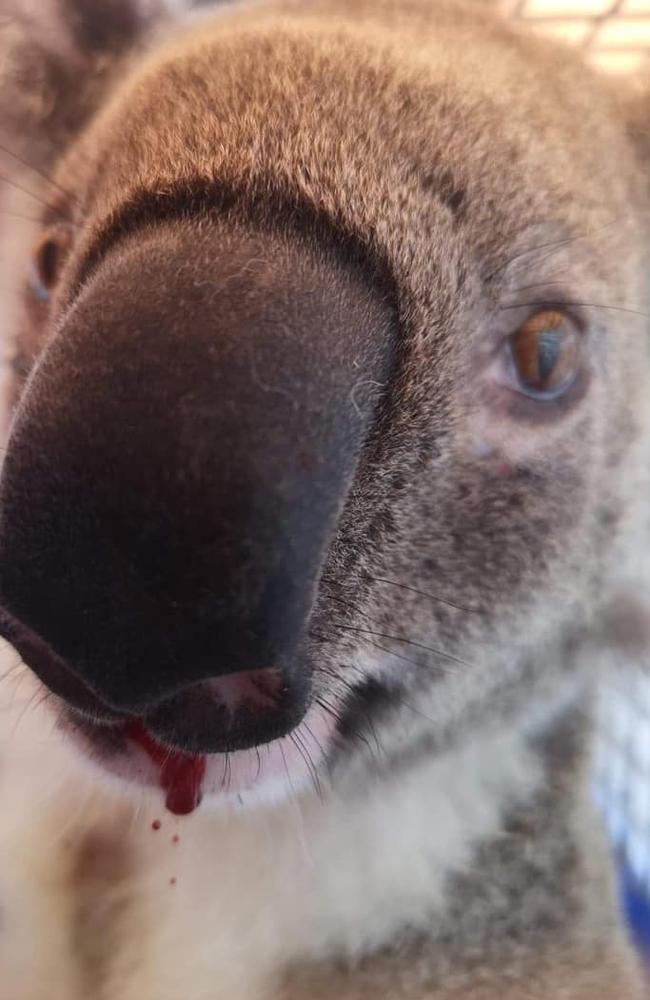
<point x="471" y="162"/>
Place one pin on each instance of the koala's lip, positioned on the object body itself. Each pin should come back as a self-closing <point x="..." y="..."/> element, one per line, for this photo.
<point x="52" y="671"/>
<point x="127" y="755"/>
<point x="141" y="751"/>
<point x="222" y="713"/>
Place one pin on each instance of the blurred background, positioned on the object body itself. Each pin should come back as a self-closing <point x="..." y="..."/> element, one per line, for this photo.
<point x="615" y="34"/>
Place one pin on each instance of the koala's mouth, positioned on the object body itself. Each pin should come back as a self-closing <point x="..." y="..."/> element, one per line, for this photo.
<point x="134" y="747"/>
<point x="129" y="752"/>
<point x="237" y="738"/>
<point x="247" y="734"/>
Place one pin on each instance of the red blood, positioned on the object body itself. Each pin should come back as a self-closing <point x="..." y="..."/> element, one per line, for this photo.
<point x="155" y="825"/>
<point x="175" y="838"/>
<point x="181" y="774"/>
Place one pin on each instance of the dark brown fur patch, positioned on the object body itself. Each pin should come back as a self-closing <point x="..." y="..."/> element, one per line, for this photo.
<point x="101" y="895"/>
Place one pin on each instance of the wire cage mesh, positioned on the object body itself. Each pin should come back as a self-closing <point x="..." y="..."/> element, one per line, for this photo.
<point x="615" y="35"/>
<point x="622" y="789"/>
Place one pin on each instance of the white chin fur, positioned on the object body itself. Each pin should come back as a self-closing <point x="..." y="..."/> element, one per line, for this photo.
<point x="302" y="878"/>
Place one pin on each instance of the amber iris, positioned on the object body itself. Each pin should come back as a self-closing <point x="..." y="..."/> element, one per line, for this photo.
<point x="546" y="354"/>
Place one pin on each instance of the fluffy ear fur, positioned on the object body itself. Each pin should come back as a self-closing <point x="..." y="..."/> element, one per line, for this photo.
<point x="56" y="57"/>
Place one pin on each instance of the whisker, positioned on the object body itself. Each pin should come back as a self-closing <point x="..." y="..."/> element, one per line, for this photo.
<point x="315" y="739"/>
<point x="46" y="177"/>
<point x="11" y="670"/>
<point x="376" y="621"/>
<point x="286" y="769"/>
<point x="324" y="756"/>
<point x="309" y="763"/>
<point x="554" y="245"/>
<point x="334" y="712"/>
<point x="397" y="695"/>
<point x="330" y="672"/>
<point x="18" y="215"/>
<point x="408" y="642"/>
<point x="358" y="737"/>
<point x="540" y="284"/>
<point x="551" y="304"/>
<point x="48" y="206"/>
<point x="367" y="714"/>
<point x="409" y="659"/>
<point x="167" y="758"/>
<point x="416" y="711"/>
<point x="28" y="705"/>
<point x="20" y="187"/>
<point x="423" y="593"/>
<point x="337" y="715"/>
<point x="391" y="652"/>
<point x="399" y="698"/>
<point x="46" y="696"/>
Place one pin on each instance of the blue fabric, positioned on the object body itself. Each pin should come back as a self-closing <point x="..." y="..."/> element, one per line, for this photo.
<point x="636" y="904"/>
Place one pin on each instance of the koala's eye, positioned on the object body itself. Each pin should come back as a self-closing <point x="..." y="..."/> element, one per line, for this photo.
<point x="47" y="261"/>
<point x="545" y="354"/>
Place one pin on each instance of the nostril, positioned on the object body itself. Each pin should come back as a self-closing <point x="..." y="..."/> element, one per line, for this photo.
<point x="231" y="712"/>
<point x="51" y="669"/>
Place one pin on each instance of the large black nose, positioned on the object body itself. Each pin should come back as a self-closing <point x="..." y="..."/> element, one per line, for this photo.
<point x="178" y="464"/>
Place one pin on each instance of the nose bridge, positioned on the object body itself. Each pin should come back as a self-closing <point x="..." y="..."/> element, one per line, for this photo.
<point x="183" y="451"/>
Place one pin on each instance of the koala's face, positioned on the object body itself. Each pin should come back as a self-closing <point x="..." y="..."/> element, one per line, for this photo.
<point x="339" y="358"/>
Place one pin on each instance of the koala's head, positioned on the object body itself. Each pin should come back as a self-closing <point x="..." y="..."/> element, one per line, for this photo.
<point x="338" y="358"/>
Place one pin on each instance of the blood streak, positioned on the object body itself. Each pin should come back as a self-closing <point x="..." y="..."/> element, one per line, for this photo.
<point x="181" y="774"/>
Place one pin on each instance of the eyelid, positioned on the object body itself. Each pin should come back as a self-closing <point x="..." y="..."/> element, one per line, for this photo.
<point x="546" y="299"/>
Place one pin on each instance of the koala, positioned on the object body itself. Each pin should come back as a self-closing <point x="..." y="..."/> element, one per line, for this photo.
<point x="324" y="500"/>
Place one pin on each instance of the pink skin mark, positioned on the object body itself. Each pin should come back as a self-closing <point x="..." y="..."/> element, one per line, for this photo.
<point x="259" y="689"/>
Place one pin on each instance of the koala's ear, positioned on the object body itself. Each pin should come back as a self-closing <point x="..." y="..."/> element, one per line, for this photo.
<point x="56" y="59"/>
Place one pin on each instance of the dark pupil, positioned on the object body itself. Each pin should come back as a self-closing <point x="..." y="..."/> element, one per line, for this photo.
<point x="548" y="354"/>
<point x="48" y="262"/>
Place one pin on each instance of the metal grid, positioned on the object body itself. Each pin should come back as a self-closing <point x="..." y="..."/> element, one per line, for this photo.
<point x="623" y="770"/>
<point x="614" y="33"/>
<point x="622" y="789"/>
